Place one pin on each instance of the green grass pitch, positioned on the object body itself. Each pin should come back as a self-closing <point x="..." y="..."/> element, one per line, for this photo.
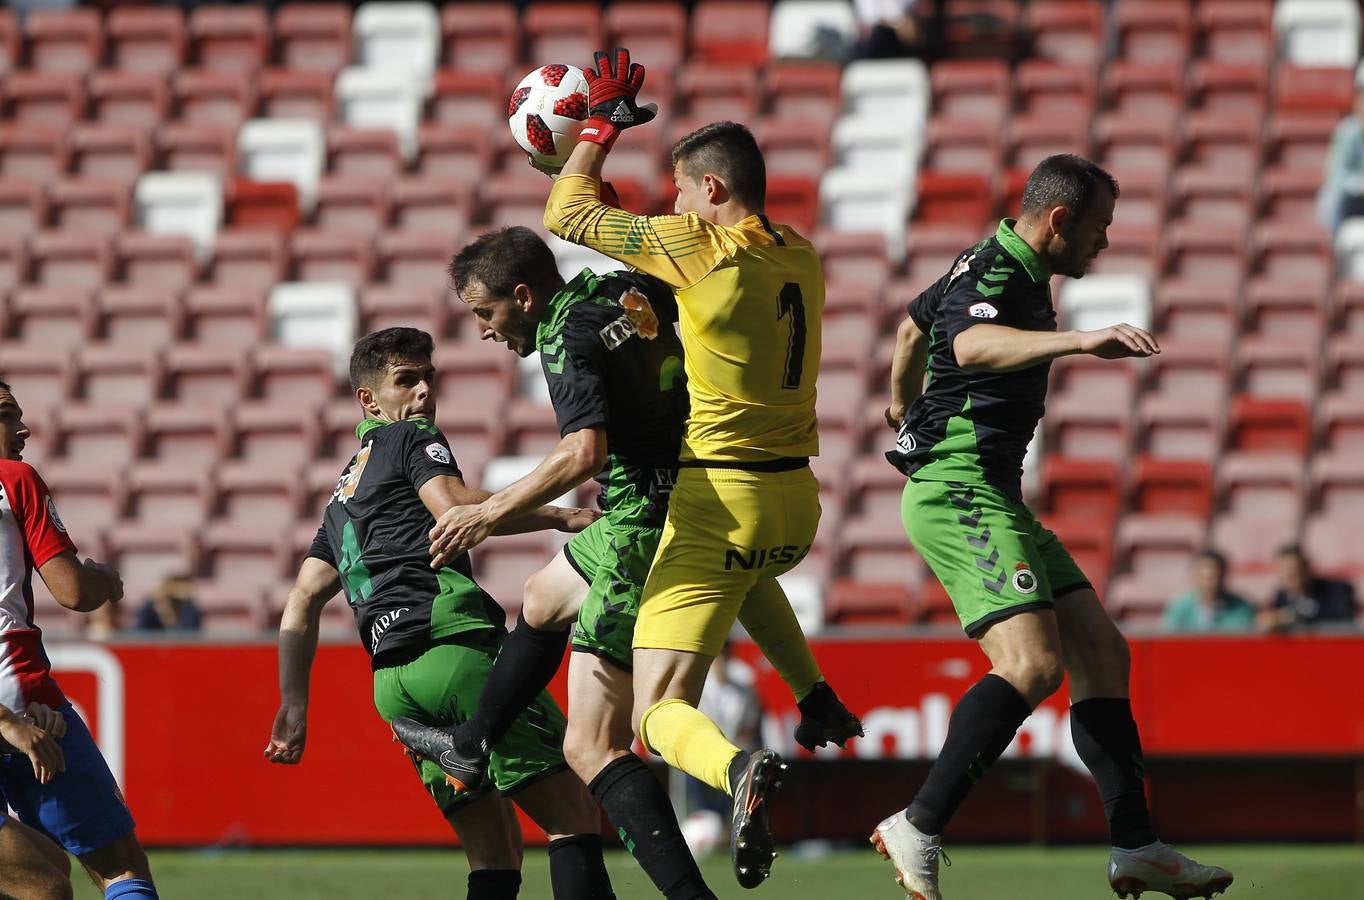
<point x="1281" y="872"/>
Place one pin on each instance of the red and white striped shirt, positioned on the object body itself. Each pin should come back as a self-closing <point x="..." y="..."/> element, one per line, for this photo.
<point x="31" y="533"/>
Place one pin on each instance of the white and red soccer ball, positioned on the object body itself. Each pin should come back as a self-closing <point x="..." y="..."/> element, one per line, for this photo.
<point x="546" y="112"/>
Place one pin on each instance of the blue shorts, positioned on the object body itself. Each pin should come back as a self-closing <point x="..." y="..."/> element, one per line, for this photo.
<point x="81" y="809"/>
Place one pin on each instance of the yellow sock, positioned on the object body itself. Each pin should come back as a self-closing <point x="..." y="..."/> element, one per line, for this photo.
<point x="768" y="618"/>
<point x="688" y="740"/>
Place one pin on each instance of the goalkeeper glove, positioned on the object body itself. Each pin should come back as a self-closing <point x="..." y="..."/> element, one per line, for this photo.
<point x="611" y="98"/>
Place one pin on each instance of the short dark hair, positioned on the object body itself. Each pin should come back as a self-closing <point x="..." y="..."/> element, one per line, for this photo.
<point x="729" y="150"/>
<point x="1065" y="180"/>
<point x="1215" y="556"/>
<point x="378" y="350"/>
<point x="5" y="387"/>
<point x="504" y="258"/>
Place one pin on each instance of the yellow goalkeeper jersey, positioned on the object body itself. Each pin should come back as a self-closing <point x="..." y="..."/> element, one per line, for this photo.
<point x="750" y="299"/>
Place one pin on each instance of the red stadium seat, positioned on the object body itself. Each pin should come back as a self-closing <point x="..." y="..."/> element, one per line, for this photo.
<point x="275" y="436"/>
<point x="60" y="258"/>
<point x="1345" y="365"/>
<point x="874" y="548"/>
<point x="1206" y="250"/>
<point x="852" y="258"/>
<point x="13" y="260"/>
<point x="1032" y="139"/>
<point x="1050" y="89"/>
<point x="1139" y="599"/>
<point x="1337" y="485"/>
<point x="145" y="315"/>
<point x="23" y="205"/>
<point x="313" y="36"/>
<point x="90" y="205"/>
<point x="248" y="259"/>
<point x="959" y="197"/>
<point x="144" y="554"/>
<point x="299" y="93"/>
<point x="641" y="155"/>
<point x="716" y="92"/>
<point x="198" y="148"/>
<point x="40" y="378"/>
<point x="1299" y="140"/>
<point x="1066" y="31"/>
<point x="438" y="204"/>
<point x="930" y="251"/>
<point x="11" y="42"/>
<point x="33" y="152"/>
<point x="1340" y="423"/>
<point x="454" y="153"/>
<point x="851" y="603"/>
<point x="39" y="98"/>
<point x="1280" y="367"/>
<point x="1256" y="484"/>
<point x="979" y="90"/>
<point x="109" y="151"/>
<point x="1269" y="426"/>
<point x="1289" y="196"/>
<point x="1235" y="32"/>
<point x="1293" y="252"/>
<point x="146" y="40"/>
<point x="515" y="199"/>
<point x="1076" y="488"/>
<point x="117" y="375"/>
<point x="416" y="258"/>
<point x="209" y="97"/>
<point x="368" y="152"/>
<point x="475" y="369"/>
<point x="1150" y="544"/>
<point x="808" y="90"/>
<point x="98" y="433"/>
<point x="1149" y="92"/>
<point x="789" y="148"/>
<point x="152" y="260"/>
<point x="130" y="99"/>
<point x="1171" y="428"/>
<point x="250" y="556"/>
<point x="1089" y="542"/>
<point x="1235" y="88"/>
<point x="1208" y="194"/>
<point x="192" y="434"/>
<point x="227" y="607"/>
<point x="1250" y="543"/>
<point x="298" y="375"/>
<point x="793" y="200"/>
<point x="1159" y="33"/>
<point x="968" y="145"/>
<point x="1333" y="543"/>
<point x="1290" y="308"/>
<point x="64" y="40"/>
<point x="1132" y="249"/>
<point x="381" y="306"/>
<point x="563" y="32"/>
<point x="472" y="99"/>
<point x="656" y="31"/>
<point x="85" y="493"/>
<point x="730" y="31"/>
<point x="1229" y="142"/>
<point x="1193" y="309"/>
<point x="1347" y="308"/>
<point x="1125" y="144"/>
<point x="230" y="38"/>
<point x="352" y="203"/>
<point x="206" y="376"/>
<point x="57" y="317"/>
<point x="480" y="37"/>
<point x="1307" y="89"/>
<point x="1102" y="382"/>
<point x="225" y="314"/>
<point x="1171" y="487"/>
<point x="267" y="206"/>
<point x="1080" y="430"/>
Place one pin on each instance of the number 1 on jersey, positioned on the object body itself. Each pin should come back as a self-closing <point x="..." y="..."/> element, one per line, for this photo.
<point x="790" y="302"/>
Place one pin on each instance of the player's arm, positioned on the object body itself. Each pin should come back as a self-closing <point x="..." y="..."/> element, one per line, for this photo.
<point x="26" y="734"/>
<point x="1001" y="348"/>
<point x="576" y="457"/>
<point x="906" y="370"/>
<point x="317" y="582"/>
<point x="81" y="586"/>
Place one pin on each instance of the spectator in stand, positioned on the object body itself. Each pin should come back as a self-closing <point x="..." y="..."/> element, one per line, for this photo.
<point x="170" y="607"/>
<point x="890" y="28"/>
<point x="1342" y="189"/>
<point x="1304" y="599"/>
<point x="1208" y="605"/>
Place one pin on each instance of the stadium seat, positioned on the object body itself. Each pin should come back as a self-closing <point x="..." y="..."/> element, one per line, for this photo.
<point x="11" y="42"/>
<point x="290" y="150"/>
<point x="473" y="100"/>
<point x="225" y="314"/>
<point x="40" y="378"/>
<point x="109" y="151"/>
<point x="1333" y="543"/>
<point x="563" y="32"/>
<point x="416" y="258"/>
<point x="1289" y="195"/>
<point x="1299" y="140"/>
<point x="1089" y="542"/>
<point x="803" y="91"/>
<point x="1101" y="300"/>
<point x="1229" y="142"/>
<point x="453" y="153"/>
<point x="85" y="492"/>
<point x="180" y="203"/>
<point x="1079" y="430"/>
<point x="192" y="434"/>
<point x="145" y="553"/>
<point x="205" y="376"/>
<point x="59" y="258"/>
<point x="13" y="260"/>
<point x="155" y="260"/>
<point x="1049" y="89"/>
<point x="68" y="40"/>
<point x="262" y="205"/>
<point x="971" y="89"/>
<point x="98" y="432"/>
<point x="60" y="317"/>
<point x="1308" y="89"/>
<point x="715" y="92"/>
<point x="382" y="99"/>
<point x="1103" y="382"/>
<point x="142" y="39"/>
<point x="1235" y="32"/>
<point x="1281" y="367"/>
<point x="1080" y="489"/>
<point x="363" y="153"/>
<point x="894" y="88"/>
<point x="1347" y="308"/>
<point x="130" y="99"/>
<point x="108" y="374"/>
<point x="1139" y="599"/>
<point x="1194" y="309"/>
<point x="481" y="37"/>
<point x="207" y="97"/>
<point x="851" y="200"/>
<point x="351" y="203"/>
<point x="296" y="93"/>
<point x="958" y="197"/>
<point x="474" y="368"/>
<point x="1065" y="31"/>
<point x="1146" y="92"/>
<point x="1159" y="33"/>
<point x="383" y="306"/>
<point x="872" y="145"/>
<point x="1291" y="308"/>
<point x="230" y="38"/>
<point x="403" y="38"/>
<point x="247" y="259"/>
<point x="1269" y="426"/>
<point x="1169" y="427"/>
<point x="1132" y="250"/>
<point x="1171" y="487"/>
<point x="812" y="29"/>
<point x="144" y="315"/>
<point x="853" y="603"/>
<point x="1126" y="144"/>
<point x="1317" y="32"/>
<point x="1236" y="88"/>
<point x="1208" y="194"/>
<point x="89" y="205"/>
<point x="1337" y="485"/>
<point x="294" y="376"/>
<point x="167" y="491"/>
<point x="930" y="251"/>
<point x="1292" y="252"/>
<point x="37" y="98"/>
<point x="514" y="199"/>
<point x="1206" y="250"/>
<point x="249" y="555"/>
<point x="211" y="149"/>
<point x="1345" y="365"/>
<point x="1154" y="543"/>
<point x="962" y="146"/>
<point x="320" y="311"/>
<point x="789" y="148"/>
<point x="34" y="152"/>
<point x="730" y="31"/>
<point x="23" y="205"/>
<point x="852" y="260"/>
<point x="1250" y="543"/>
<point x="438" y="204"/>
<point x="227" y="607"/>
<point x="274" y="436"/>
<point x="1256" y="484"/>
<point x="313" y="37"/>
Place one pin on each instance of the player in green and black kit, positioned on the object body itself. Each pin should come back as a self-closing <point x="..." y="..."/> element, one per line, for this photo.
<point x="613" y="363"/>
<point x="431" y="632"/>
<point x="987" y="330"/>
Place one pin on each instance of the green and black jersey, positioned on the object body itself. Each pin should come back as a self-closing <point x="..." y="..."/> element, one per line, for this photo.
<point x="375" y="531"/>
<point x="615" y="362"/>
<point x="974" y="427"/>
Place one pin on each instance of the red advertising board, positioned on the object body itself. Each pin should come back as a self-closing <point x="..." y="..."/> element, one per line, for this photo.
<point x="184" y="725"/>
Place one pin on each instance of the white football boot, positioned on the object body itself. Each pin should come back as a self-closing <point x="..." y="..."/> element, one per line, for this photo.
<point x="914" y="855"/>
<point x="1160" y="867"/>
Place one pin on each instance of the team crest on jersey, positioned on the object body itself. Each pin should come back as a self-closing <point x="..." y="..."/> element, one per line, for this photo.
<point x="961" y="267"/>
<point x="439" y="452"/>
<point x="345" y="488"/>
<point x="1025" y="582"/>
<point x="639" y="319"/>
<point x="56" y="519"/>
<point x="982" y="311"/>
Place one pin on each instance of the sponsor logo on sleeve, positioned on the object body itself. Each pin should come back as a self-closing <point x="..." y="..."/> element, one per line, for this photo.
<point x="52" y="514"/>
<point x="983" y="311"/>
<point x="439" y="452"/>
<point x="1025" y="582"/>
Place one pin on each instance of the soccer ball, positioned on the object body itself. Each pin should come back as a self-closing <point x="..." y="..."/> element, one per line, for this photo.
<point x="546" y="113"/>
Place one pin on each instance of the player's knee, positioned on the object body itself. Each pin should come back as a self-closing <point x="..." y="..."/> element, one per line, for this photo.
<point x="1041" y="675"/>
<point x="585" y="752"/>
<point x="542" y="605"/>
